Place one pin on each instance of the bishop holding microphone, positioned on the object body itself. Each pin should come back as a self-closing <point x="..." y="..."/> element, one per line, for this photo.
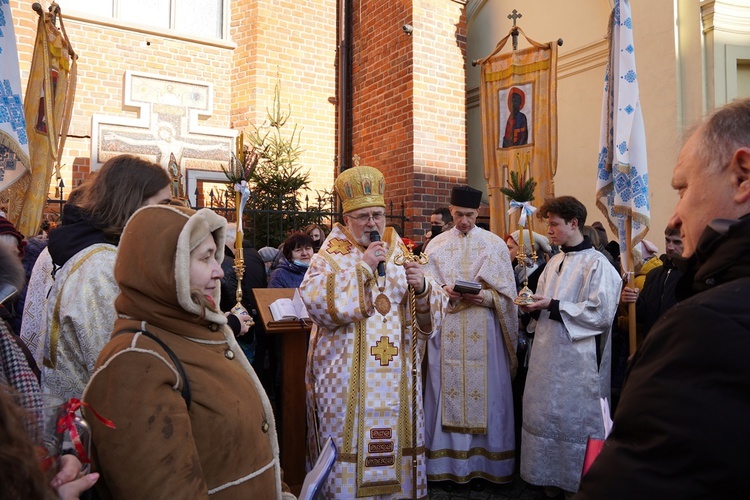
<point x="360" y="388"/>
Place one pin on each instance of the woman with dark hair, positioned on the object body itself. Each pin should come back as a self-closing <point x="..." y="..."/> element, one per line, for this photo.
<point x="317" y="233"/>
<point x="297" y="251"/>
<point x="80" y="308"/>
<point x="191" y="415"/>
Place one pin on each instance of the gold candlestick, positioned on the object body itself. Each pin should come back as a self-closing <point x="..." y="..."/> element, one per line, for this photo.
<point x="524" y="295"/>
<point x="239" y="255"/>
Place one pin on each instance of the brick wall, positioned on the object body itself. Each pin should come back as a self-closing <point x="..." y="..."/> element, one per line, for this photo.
<point x="294" y="41"/>
<point x="408" y="111"/>
<point x="409" y="101"/>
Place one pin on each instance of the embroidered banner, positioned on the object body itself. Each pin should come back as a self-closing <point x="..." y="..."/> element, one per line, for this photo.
<point x="14" y="145"/>
<point x="518" y="99"/>
<point x="622" y="181"/>
<point x="48" y="105"/>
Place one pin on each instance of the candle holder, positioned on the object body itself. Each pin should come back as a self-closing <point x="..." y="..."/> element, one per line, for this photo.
<point x="524" y="295"/>
<point x="520" y="193"/>
<point x="242" y="165"/>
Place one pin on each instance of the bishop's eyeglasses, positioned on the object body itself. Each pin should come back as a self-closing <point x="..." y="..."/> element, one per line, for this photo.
<point x="364" y="218"/>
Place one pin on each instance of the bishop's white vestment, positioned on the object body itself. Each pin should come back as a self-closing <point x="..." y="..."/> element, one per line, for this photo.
<point x="359" y="368"/>
<point x="569" y="368"/>
<point x="468" y="394"/>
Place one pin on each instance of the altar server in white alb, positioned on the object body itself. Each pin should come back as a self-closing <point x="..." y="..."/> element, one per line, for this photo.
<point x="359" y="368"/>
<point x="468" y="394"/>
<point x="569" y="369"/>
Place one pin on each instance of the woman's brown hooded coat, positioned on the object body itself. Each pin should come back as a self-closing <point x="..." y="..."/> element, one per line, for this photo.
<point x="225" y="445"/>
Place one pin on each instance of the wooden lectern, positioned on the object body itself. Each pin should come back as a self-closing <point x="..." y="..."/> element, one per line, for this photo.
<point x="293" y="359"/>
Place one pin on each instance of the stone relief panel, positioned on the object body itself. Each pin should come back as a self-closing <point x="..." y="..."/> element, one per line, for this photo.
<point x="168" y="123"/>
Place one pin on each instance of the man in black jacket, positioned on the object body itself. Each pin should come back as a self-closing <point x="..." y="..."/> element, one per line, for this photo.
<point x="658" y="293"/>
<point x="680" y="430"/>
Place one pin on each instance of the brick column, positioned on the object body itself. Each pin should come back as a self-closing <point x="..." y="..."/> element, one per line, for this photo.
<point x="409" y="113"/>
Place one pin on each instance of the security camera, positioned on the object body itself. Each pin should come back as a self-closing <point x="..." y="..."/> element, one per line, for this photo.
<point x="408" y="29"/>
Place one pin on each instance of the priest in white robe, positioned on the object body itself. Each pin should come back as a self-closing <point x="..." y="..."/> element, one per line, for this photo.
<point x="360" y="387"/>
<point x="470" y="363"/>
<point x="569" y="368"/>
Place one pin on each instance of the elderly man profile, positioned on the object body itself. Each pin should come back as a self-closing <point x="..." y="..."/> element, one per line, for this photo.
<point x="360" y="387"/>
<point x="468" y="394"/>
<point x="680" y="430"/>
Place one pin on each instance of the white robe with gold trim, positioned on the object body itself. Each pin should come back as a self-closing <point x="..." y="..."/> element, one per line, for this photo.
<point x="80" y="318"/>
<point x="359" y="380"/>
<point x="468" y="393"/>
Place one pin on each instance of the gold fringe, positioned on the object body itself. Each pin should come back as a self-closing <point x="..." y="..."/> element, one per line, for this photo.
<point x="517" y="70"/>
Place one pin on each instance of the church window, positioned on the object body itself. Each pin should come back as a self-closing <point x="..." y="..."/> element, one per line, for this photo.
<point x="194" y="18"/>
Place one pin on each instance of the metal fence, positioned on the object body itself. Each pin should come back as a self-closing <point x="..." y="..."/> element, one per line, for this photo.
<point x="269" y="225"/>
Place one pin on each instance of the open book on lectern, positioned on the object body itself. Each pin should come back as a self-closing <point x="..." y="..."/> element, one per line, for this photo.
<point x="316" y="478"/>
<point x="289" y="309"/>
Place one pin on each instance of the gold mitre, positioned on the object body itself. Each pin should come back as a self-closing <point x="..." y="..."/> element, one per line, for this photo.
<point x="360" y="187"/>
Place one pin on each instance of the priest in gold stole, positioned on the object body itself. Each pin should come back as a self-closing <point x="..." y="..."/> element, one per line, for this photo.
<point x="468" y="395"/>
<point x="360" y="387"/>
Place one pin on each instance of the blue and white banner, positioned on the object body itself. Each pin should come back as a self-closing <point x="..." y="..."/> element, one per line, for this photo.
<point x="622" y="183"/>
<point x="14" y="144"/>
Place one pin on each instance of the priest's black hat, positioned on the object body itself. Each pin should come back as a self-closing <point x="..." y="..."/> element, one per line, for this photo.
<point x="466" y="197"/>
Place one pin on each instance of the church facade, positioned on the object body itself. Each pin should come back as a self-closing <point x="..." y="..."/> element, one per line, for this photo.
<point x="390" y="82"/>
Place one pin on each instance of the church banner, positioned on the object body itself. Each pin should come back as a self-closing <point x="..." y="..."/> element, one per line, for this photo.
<point x="518" y="99"/>
<point x="14" y="145"/>
<point x="48" y="105"/>
<point x="622" y="173"/>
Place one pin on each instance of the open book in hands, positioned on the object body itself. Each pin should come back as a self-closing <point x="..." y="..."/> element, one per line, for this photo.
<point x="289" y="309"/>
<point x="316" y="478"/>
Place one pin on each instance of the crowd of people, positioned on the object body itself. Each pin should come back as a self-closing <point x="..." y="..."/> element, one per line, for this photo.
<point x="421" y="366"/>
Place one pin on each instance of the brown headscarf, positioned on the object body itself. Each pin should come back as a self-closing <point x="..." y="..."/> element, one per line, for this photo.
<point x="153" y="268"/>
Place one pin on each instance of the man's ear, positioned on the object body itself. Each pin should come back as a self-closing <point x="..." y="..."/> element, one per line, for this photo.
<point x="740" y="166"/>
<point x="574" y="223"/>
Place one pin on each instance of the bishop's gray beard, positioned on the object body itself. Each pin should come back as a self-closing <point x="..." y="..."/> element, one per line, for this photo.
<point x="364" y="240"/>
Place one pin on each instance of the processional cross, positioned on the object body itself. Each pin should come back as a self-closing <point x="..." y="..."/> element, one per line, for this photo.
<point x="514" y="32"/>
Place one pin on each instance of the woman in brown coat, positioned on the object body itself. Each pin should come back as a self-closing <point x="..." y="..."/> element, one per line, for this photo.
<point x="191" y="416"/>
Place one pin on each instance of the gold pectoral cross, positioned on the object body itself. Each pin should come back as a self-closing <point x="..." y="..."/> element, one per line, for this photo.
<point x="384" y="351"/>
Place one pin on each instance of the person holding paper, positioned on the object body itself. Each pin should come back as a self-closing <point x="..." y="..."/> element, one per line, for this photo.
<point x="570" y="364"/>
<point x="468" y="396"/>
<point x="360" y="387"/>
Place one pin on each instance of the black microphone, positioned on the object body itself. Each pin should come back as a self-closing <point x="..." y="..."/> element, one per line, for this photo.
<point x="375" y="236"/>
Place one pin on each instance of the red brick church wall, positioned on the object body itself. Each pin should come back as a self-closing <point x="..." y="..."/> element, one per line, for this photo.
<point x="409" y="112"/>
